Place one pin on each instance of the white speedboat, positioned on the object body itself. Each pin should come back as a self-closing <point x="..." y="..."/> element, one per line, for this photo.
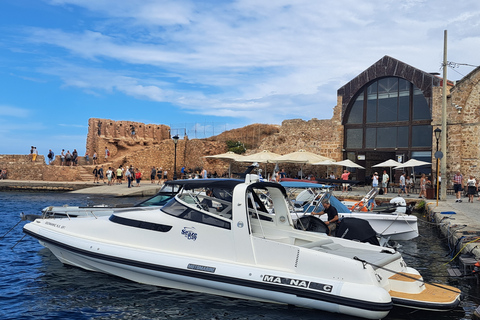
<point x="391" y="222"/>
<point x="168" y="191"/>
<point x="230" y="245"/>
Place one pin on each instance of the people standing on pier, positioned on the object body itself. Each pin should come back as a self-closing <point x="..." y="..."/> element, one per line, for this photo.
<point x="385" y="179"/>
<point x="423" y="186"/>
<point x="119" y="174"/>
<point x="375" y="181"/>
<point x="109" y="175"/>
<point x="100" y="174"/>
<point x="402" y="184"/>
<point x="472" y="188"/>
<point x="62" y="157"/>
<point x="458" y="186"/>
<point x="31" y="152"/>
<point x="153" y="174"/>
<point x="345" y="176"/>
<point x="138" y="177"/>
<point x="165" y="175"/>
<point x="95" y="175"/>
<point x="129" y="175"/>
<point x="204" y="174"/>
<point x="409" y="183"/>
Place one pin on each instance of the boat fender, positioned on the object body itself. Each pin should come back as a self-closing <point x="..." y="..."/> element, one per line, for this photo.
<point x="476" y="268"/>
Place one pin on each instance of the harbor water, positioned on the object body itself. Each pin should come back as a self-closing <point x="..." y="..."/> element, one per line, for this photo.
<point x="35" y="285"/>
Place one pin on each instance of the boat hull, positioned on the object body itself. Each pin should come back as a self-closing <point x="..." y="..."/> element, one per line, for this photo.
<point x="231" y="280"/>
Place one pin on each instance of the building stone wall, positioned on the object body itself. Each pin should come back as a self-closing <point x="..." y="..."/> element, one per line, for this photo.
<point x="117" y="136"/>
<point x="463" y="135"/>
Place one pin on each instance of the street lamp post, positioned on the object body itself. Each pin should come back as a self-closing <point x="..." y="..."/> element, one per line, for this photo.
<point x="175" y="140"/>
<point x="437" y="132"/>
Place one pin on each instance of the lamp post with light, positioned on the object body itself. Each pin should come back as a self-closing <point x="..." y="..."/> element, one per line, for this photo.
<point x="175" y="141"/>
<point x="437" y="132"/>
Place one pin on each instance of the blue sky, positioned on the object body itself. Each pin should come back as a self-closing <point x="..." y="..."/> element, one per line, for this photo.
<point x="205" y="66"/>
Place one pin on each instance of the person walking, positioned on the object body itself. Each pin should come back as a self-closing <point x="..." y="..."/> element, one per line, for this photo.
<point x="129" y="173"/>
<point x="375" y="181"/>
<point x="159" y="175"/>
<point x="423" y="186"/>
<point x="472" y="188"/>
<point x="458" y="185"/>
<point x="153" y="174"/>
<point x="138" y="177"/>
<point x="95" y="175"/>
<point x="402" y="185"/>
<point x="385" y="179"/>
<point x="345" y="176"/>
<point x="100" y="174"/>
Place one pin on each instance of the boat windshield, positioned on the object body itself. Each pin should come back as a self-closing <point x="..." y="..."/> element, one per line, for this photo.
<point x="201" y="207"/>
<point x="157" y="200"/>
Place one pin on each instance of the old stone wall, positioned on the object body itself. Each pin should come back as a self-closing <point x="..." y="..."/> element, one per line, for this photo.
<point x="464" y="126"/>
<point x="120" y="137"/>
<point x="21" y="167"/>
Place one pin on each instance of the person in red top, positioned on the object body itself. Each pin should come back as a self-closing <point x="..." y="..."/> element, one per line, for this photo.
<point x="345" y="176"/>
<point x="458" y="185"/>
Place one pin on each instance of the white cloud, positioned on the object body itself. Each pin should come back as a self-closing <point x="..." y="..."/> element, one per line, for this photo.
<point x="8" y="111"/>
<point x="242" y="59"/>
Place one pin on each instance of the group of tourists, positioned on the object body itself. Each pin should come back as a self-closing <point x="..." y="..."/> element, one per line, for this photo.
<point x="122" y="174"/>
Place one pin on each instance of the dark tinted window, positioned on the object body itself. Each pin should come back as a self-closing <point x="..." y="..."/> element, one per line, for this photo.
<point x="180" y="210"/>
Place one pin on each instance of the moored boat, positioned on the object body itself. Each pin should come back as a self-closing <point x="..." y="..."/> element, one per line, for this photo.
<point x="226" y="242"/>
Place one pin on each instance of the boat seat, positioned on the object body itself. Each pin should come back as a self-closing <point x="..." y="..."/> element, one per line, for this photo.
<point x="317" y="243"/>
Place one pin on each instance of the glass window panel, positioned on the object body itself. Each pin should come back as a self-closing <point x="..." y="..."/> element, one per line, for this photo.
<point x="372" y="102"/>
<point x="371" y="138"/>
<point x="388" y="85"/>
<point x="387" y="99"/>
<point x="372" y="110"/>
<point x="387" y="137"/>
<point x="372" y="89"/>
<point x="354" y="138"/>
<point x="402" y="137"/>
<point x="356" y="112"/>
<point x="421" y="136"/>
<point x="387" y="108"/>
<point x="421" y="110"/>
<point x="404" y="108"/>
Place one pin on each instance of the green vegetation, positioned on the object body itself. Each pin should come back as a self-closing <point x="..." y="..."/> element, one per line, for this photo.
<point x="236" y="146"/>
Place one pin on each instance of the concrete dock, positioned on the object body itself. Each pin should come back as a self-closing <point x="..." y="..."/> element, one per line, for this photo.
<point x="146" y="188"/>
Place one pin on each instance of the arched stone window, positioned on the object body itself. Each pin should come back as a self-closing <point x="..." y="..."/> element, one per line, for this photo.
<point x="388" y="113"/>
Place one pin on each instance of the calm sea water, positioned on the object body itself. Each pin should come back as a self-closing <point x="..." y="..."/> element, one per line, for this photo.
<point x="35" y="285"/>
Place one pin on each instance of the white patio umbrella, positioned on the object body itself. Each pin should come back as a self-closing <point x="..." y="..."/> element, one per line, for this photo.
<point x="412" y="163"/>
<point x="348" y="163"/>
<point x="302" y="157"/>
<point x="230" y="156"/>
<point x="264" y="156"/>
<point x="389" y="163"/>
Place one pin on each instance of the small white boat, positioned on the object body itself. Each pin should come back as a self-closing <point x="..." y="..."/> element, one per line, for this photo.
<point x="168" y="191"/>
<point x="391" y="222"/>
<point x="238" y="249"/>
